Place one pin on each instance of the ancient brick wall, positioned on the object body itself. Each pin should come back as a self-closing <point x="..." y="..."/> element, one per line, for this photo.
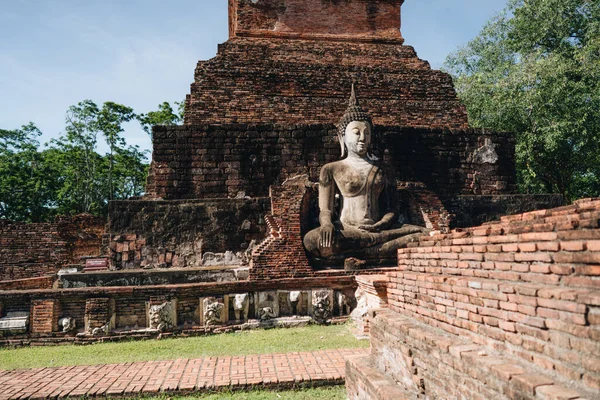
<point x="222" y="161"/>
<point x="308" y="82"/>
<point x="130" y="302"/>
<point x="32" y="250"/>
<point x="177" y="233"/>
<point x="526" y="286"/>
<point x="318" y="19"/>
<point x="44" y="282"/>
<point x="474" y="210"/>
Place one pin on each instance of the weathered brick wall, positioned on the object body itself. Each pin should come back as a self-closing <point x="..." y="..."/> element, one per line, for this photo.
<point x="282" y="254"/>
<point x="44" y="282"/>
<point x="221" y="161"/>
<point x="130" y="302"/>
<point x="474" y="210"/>
<point x="176" y="233"/>
<point x="32" y="250"/>
<point x="288" y="82"/>
<point x="319" y="19"/>
<point x="527" y="286"/>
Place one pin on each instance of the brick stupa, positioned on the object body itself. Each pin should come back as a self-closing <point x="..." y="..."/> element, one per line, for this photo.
<point x="293" y="61"/>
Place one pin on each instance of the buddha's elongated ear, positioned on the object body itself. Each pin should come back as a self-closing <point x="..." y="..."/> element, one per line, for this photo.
<point x="342" y="145"/>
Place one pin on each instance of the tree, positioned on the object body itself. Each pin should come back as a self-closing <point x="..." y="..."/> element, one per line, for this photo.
<point x="27" y="182"/>
<point x="535" y="70"/>
<point x="80" y="144"/>
<point x="163" y="116"/>
<point x="110" y="122"/>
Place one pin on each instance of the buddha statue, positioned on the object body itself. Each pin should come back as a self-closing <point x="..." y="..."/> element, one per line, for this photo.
<point x="366" y="224"/>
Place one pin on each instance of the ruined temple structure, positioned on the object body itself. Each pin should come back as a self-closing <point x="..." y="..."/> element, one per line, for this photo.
<point x="500" y="307"/>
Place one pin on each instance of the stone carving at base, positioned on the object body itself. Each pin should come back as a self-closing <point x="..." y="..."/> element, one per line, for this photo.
<point x="344" y="307"/>
<point x="295" y="297"/>
<point x="214" y="311"/>
<point x="322" y="306"/>
<point x="15" y="323"/>
<point x="366" y="224"/>
<point x="67" y="324"/>
<point x="266" y="313"/>
<point x="241" y="305"/>
<point x="104" y="330"/>
<point x="163" y="317"/>
<point x="267" y="305"/>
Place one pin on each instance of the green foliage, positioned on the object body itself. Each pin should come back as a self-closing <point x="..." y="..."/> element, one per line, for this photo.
<point x="165" y="115"/>
<point x="535" y="70"/>
<point x="69" y="176"/>
<point x="309" y="338"/>
<point x="27" y="180"/>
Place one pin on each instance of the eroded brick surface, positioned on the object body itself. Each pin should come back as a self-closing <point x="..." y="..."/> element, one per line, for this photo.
<point x="503" y="310"/>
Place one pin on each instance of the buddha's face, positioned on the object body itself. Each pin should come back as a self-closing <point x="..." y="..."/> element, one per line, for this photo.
<point x="357" y="137"/>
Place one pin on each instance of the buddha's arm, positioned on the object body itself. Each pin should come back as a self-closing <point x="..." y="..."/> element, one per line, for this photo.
<point x="391" y="202"/>
<point x="326" y="198"/>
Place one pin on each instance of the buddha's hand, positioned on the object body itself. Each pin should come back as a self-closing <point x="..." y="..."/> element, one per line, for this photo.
<point x="327" y="235"/>
<point x="371" y="228"/>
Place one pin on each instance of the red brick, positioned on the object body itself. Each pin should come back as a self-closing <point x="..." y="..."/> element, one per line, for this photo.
<point x="528" y="383"/>
<point x="555" y="392"/>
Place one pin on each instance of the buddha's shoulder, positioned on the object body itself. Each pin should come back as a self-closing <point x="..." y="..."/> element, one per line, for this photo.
<point x="334" y="166"/>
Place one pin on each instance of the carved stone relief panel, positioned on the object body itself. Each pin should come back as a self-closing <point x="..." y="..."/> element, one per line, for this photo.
<point x="267" y="306"/>
<point x="213" y="311"/>
<point x="322" y="305"/>
<point x="162" y="316"/>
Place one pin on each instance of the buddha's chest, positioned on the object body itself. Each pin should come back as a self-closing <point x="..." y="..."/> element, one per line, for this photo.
<point x="361" y="180"/>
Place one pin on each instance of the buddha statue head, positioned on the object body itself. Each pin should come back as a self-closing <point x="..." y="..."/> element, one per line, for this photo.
<point x="355" y="129"/>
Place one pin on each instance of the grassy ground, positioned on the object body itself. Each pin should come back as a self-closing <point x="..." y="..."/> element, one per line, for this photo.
<point x="309" y="338"/>
<point x="325" y="393"/>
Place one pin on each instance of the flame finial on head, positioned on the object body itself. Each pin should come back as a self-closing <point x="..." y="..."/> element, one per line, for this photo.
<point x="353" y="101"/>
<point x="353" y="113"/>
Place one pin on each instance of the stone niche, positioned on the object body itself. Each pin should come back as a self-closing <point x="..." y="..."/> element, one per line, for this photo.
<point x="293" y="302"/>
<point x="161" y="314"/>
<point x="100" y="316"/>
<point x="321" y="305"/>
<point x="214" y="310"/>
<point x="239" y="306"/>
<point x="267" y="305"/>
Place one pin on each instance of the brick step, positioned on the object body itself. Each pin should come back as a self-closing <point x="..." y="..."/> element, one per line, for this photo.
<point x="431" y="362"/>
<point x="364" y="381"/>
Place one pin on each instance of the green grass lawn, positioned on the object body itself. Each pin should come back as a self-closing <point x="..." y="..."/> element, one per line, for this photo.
<point x="260" y="341"/>
<point x="324" y="393"/>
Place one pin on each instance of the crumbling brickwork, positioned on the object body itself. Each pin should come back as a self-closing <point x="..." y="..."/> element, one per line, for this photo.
<point x="364" y="20"/>
<point x="308" y="82"/>
<point x="43" y="282"/>
<point x="33" y="250"/>
<point x="222" y="161"/>
<point x="177" y="233"/>
<point x="510" y="306"/>
<point x="293" y="62"/>
<point x="93" y="307"/>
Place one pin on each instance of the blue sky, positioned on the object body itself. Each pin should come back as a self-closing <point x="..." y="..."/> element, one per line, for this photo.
<point x="56" y="53"/>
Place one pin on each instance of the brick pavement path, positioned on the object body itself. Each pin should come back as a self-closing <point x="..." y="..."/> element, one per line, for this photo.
<point x="212" y="373"/>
